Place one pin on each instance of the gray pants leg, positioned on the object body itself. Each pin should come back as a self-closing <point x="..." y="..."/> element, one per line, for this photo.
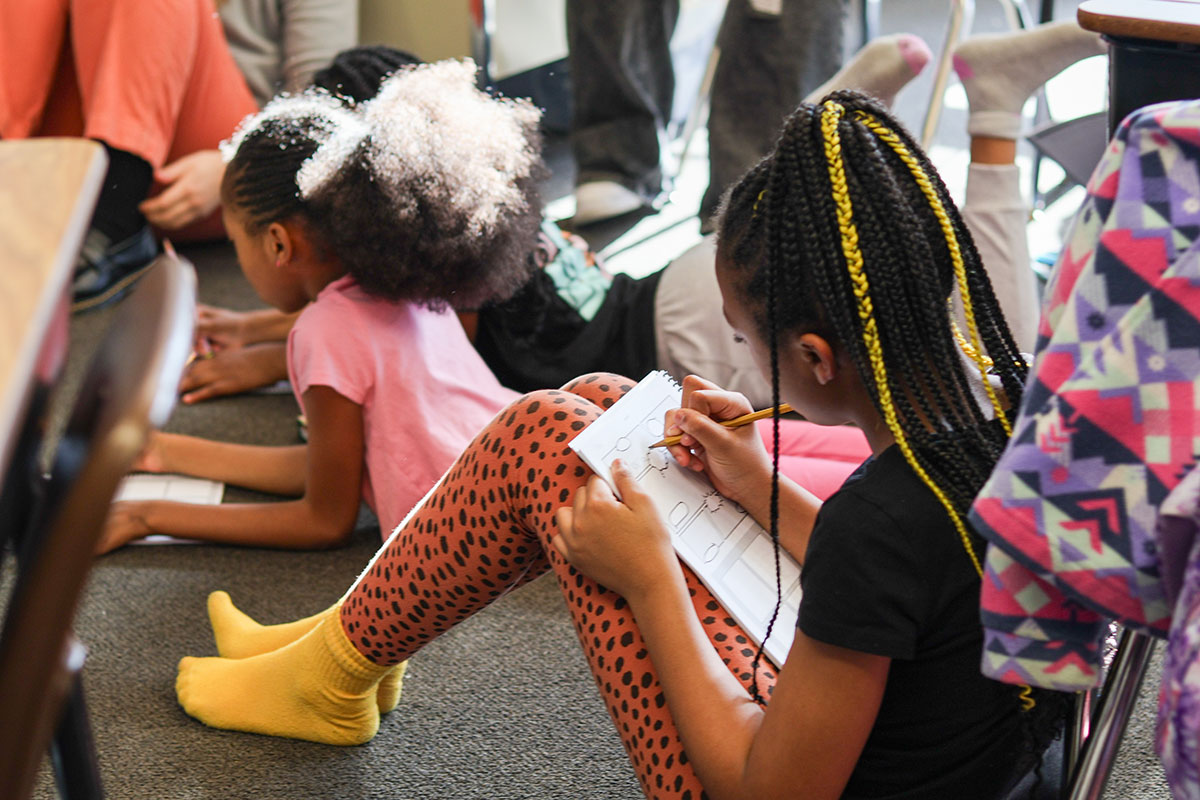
<point x="769" y="63"/>
<point x="623" y="85"/>
<point x="997" y="217"/>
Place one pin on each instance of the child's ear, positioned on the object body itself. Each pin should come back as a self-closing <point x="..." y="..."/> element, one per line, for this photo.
<point x="815" y="353"/>
<point x="280" y="243"/>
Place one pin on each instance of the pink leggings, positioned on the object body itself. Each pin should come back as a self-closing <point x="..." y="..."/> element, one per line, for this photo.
<point x="487" y="528"/>
<point x="153" y="78"/>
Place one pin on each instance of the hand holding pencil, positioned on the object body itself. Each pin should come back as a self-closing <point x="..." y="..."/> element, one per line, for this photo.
<point x="736" y="422"/>
<point x="718" y="440"/>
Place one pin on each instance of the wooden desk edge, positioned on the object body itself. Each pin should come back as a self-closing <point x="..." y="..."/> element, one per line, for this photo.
<point x="1156" y="29"/>
<point x="14" y="390"/>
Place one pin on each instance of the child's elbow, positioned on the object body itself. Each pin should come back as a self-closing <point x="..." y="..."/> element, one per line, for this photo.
<point x="329" y="531"/>
<point x="329" y="537"/>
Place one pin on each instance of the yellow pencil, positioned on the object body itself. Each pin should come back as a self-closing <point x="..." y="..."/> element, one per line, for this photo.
<point x="736" y="422"/>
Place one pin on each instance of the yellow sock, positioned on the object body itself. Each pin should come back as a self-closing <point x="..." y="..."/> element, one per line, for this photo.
<point x="317" y="688"/>
<point x="240" y="636"/>
<point x="387" y="694"/>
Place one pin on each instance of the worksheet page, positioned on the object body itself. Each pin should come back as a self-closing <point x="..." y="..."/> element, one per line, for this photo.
<point x="730" y="553"/>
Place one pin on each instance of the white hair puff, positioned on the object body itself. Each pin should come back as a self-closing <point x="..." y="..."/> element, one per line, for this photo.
<point x="429" y="129"/>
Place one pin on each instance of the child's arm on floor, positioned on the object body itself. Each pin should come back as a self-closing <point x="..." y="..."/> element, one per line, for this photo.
<point x="275" y="470"/>
<point x="234" y="370"/>
<point x="327" y="472"/>
<point x="224" y="328"/>
<point x="824" y="703"/>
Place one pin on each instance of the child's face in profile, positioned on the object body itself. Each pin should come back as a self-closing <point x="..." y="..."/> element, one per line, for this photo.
<point x="264" y="262"/>
<point x="806" y="382"/>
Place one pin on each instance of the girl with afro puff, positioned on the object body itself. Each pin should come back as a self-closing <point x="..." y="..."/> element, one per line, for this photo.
<point x="340" y="213"/>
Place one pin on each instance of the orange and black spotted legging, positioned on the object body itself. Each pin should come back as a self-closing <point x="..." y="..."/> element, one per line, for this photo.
<point x="488" y="527"/>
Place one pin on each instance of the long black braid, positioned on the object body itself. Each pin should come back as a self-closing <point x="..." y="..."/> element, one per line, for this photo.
<point x="845" y="230"/>
<point x="354" y="75"/>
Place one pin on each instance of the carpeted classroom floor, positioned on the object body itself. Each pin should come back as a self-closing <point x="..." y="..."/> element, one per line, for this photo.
<point x="501" y="707"/>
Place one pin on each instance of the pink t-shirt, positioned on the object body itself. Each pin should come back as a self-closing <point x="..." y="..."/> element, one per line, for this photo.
<point x="424" y="390"/>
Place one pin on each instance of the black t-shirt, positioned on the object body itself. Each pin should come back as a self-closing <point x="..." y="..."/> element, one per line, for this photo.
<point x="886" y="573"/>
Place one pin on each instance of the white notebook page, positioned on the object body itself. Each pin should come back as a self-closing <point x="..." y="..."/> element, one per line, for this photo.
<point x="178" y="488"/>
<point x="730" y="553"/>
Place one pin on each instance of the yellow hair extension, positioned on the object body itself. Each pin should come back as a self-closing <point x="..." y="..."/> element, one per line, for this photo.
<point x="975" y="350"/>
<point x="981" y="361"/>
<point x="830" y="114"/>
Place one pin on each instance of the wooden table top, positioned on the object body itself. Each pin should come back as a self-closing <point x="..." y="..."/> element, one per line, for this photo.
<point x="48" y="189"/>
<point x="1175" y="21"/>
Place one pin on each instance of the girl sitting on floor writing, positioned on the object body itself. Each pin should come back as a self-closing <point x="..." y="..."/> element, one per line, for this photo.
<point x="836" y="257"/>
<point x="331" y="210"/>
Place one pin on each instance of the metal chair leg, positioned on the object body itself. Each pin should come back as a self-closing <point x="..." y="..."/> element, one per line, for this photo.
<point x="73" y="751"/>
<point x="1076" y="733"/>
<point x="1111" y="716"/>
<point x="870" y="10"/>
<point x="699" y="111"/>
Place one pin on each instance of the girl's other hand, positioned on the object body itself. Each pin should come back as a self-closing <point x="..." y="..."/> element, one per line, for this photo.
<point x="126" y="522"/>
<point x="152" y="458"/>
<point x="735" y="459"/>
<point x="621" y="544"/>
<point x="232" y="371"/>
<point x="221" y="328"/>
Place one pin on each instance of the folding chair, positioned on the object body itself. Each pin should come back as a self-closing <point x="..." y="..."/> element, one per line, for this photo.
<point x="129" y="387"/>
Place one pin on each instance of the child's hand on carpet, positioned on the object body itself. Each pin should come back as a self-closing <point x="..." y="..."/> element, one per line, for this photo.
<point x="126" y="522"/>
<point x="233" y="371"/>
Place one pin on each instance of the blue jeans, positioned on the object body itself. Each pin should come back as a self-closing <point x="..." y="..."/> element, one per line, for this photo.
<point x="623" y="84"/>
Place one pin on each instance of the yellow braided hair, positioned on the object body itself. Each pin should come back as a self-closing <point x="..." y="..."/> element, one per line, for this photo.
<point x="975" y="350"/>
<point x="831" y="113"/>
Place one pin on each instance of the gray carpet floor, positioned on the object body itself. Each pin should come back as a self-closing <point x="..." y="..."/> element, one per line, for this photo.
<point x="501" y="707"/>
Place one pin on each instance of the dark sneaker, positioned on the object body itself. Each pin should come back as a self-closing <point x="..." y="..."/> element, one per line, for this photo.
<point x="106" y="270"/>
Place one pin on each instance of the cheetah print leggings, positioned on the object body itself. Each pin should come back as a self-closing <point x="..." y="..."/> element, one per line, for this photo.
<point x="487" y="528"/>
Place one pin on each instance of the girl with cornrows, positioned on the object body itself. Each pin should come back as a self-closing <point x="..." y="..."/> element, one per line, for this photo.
<point x="837" y="256"/>
<point x="330" y="210"/>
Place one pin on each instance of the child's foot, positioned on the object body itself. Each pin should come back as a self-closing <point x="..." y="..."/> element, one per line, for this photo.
<point x="1000" y="71"/>
<point x="239" y="636"/>
<point x="881" y="68"/>
<point x="317" y="688"/>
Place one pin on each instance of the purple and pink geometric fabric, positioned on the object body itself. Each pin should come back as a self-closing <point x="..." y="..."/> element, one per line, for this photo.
<point x="1110" y="420"/>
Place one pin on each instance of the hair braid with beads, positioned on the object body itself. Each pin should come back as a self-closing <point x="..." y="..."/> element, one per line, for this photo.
<point x="845" y="230"/>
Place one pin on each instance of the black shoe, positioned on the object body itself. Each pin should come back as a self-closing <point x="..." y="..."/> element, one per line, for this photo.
<point x="106" y="270"/>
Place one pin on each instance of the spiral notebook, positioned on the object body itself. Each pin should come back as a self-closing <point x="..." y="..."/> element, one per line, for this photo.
<point x="730" y="553"/>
